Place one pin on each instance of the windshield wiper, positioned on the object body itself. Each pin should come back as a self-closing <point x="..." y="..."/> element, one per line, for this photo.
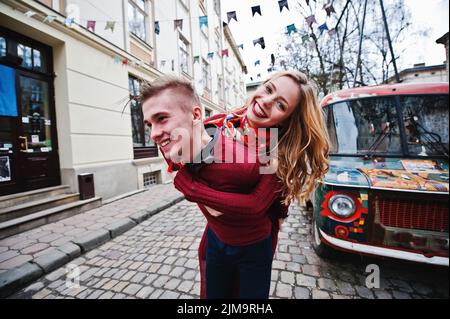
<point x="387" y="131"/>
<point x="429" y="139"/>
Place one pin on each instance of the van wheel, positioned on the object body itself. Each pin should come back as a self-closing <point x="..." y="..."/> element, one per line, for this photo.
<point x="321" y="249"/>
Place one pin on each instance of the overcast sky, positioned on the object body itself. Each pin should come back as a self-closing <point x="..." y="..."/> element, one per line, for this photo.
<point x="431" y="15"/>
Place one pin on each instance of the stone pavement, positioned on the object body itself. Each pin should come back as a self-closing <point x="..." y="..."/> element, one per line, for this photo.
<point x="158" y="259"/>
<point x="61" y="241"/>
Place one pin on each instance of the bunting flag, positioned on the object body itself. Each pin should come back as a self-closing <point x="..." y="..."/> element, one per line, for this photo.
<point x="332" y="32"/>
<point x="178" y="23"/>
<point x="231" y="15"/>
<point x="269" y="70"/>
<point x="30" y="13"/>
<point x="225" y="53"/>
<point x="291" y="28"/>
<point x="125" y="62"/>
<point x="49" y="19"/>
<point x="305" y="38"/>
<point x="272" y="59"/>
<point x="244" y="69"/>
<point x="323" y="27"/>
<point x="91" y="25"/>
<point x="256" y="9"/>
<point x="203" y="20"/>
<point x="257" y="62"/>
<point x="196" y="59"/>
<point x="163" y="63"/>
<point x="69" y="21"/>
<point x="282" y="4"/>
<point x="241" y="46"/>
<point x="110" y="25"/>
<point x="251" y="78"/>
<point x="310" y="20"/>
<point x="260" y="41"/>
<point x="116" y="60"/>
<point x="157" y="30"/>
<point x="210" y="55"/>
<point x="258" y="75"/>
<point x="329" y="10"/>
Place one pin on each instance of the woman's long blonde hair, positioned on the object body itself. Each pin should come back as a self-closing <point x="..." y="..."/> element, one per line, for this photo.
<point x="303" y="146"/>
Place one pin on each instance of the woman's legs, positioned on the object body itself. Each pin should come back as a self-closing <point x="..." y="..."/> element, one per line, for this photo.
<point x="255" y="269"/>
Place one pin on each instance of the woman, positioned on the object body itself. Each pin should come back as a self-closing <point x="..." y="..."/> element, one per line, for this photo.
<point x="287" y="101"/>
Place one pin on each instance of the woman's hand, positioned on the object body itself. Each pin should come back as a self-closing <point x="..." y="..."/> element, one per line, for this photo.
<point x="213" y="212"/>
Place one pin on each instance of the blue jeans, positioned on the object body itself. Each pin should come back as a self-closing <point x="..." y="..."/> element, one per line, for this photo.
<point x="237" y="271"/>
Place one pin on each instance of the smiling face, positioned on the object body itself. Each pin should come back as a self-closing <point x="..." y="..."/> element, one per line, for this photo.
<point x="273" y="102"/>
<point x="172" y="123"/>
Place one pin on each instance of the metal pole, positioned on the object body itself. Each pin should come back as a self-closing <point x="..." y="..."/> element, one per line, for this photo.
<point x="360" y="43"/>
<point x="397" y="77"/>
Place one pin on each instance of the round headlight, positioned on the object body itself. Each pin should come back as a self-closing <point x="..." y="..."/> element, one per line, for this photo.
<point x="342" y="206"/>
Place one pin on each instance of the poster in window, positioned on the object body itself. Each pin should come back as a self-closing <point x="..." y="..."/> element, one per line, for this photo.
<point x="5" y="169"/>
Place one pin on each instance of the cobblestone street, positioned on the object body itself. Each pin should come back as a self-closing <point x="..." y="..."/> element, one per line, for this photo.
<point x="158" y="259"/>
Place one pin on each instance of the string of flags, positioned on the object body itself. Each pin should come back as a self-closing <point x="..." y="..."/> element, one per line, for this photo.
<point x="91" y="25"/>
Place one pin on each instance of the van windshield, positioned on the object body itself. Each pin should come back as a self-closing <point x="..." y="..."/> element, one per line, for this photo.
<point x="370" y="126"/>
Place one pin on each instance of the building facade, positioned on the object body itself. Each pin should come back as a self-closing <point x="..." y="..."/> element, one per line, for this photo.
<point x="422" y="73"/>
<point x="73" y="68"/>
<point x="444" y="40"/>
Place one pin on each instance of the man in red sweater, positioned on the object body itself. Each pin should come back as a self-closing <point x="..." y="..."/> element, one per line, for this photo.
<point x="239" y="241"/>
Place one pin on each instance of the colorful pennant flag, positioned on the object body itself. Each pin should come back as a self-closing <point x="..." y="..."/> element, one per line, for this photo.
<point x="329" y="9"/>
<point x="257" y="62"/>
<point x="323" y="27"/>
<point x="291" y="28"/>
<point x="241" y="46"/>
<point x="231" y="15"/>
<point x="305" y="38"/>
<point x="256" y="9"/>
<point x="225" y="53"/>
<point x="69" y="21"/>
<point x="110" y="25"/>
<point x="210" y="55"/>
<point x="203" y="21"/>
<point x="332" y="32"/>
<point x="30" y="13"/>
<point x="282" y="4"/>
<point x="91" y="25"/>
<point x="178" y="23"/>
<point x="196" y="59"/>
<point x="272" y="59"/>
<point x="125" y="62"/>
<point x="157" y="30"/>
<point x="310" y="20"/>
<point x="49" y="19"/>
<point x="260" y="41"/>
<point x="116" y="60"/>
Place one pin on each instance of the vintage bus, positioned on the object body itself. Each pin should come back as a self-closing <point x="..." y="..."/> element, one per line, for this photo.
<point x="386" y="193"/>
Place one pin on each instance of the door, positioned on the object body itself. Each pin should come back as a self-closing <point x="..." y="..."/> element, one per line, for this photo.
<point x="28" y="147"/>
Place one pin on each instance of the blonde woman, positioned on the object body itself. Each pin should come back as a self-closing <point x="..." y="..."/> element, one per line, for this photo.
<point x="287" y="101"/>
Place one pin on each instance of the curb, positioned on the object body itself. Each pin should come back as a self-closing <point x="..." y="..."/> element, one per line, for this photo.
<point x="11" y="281"/>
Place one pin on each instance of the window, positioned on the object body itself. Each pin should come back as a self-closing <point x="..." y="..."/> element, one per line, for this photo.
<point x="184" y="55"/>
<point x="207" y="113"/>
<point x="2" y="46"/>
<point x="425" y="120"/>
<point x="150" y="179"/>
<point x="31" y="58"/>
<point x="137" y="19"/>
<point x="364" y="126"/>
<point x="143" y="145"/>
<point x="217" y="7"/>
<point x="206" y="75"/>
<point x="220" y="88"/>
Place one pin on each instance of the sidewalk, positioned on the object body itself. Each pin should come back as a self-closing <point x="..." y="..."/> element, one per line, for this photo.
<point x="27" y="256"/>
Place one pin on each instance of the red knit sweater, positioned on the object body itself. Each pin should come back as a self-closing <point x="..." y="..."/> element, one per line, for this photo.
<point x="239" y="191"/>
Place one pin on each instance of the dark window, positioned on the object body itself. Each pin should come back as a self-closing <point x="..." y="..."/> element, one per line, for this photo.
<point x="207" y="113"/>
<point x="137" y="18"/>
<point x="2" y="46"/>
<point x="364" y="126"/>
<point x="142" y="143"/>
<point x="31" y="58"/>
<point x="426" y="124"/>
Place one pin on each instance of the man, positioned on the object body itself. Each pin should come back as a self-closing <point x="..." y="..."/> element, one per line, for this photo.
<point x="238" y="241"/>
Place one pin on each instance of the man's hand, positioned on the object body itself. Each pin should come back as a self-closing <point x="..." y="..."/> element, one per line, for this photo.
<point x="213" y="212"/>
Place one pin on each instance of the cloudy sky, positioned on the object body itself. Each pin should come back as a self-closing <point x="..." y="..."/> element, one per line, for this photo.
<point x="429" y="15"/>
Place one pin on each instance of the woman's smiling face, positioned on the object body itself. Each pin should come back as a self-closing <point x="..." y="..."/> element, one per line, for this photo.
<point x="273" y="102"/>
